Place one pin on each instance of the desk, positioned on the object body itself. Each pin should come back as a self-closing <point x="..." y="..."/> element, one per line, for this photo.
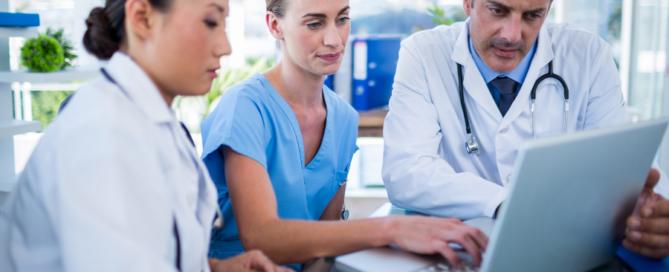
<point x="388" y="209"/>
<point x="371" y="123"/>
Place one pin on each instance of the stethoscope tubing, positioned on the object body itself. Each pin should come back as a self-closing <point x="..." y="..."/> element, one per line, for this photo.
<point x="471" y="145"/>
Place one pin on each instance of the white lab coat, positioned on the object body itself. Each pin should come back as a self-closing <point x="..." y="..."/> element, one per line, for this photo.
<point x="426" y="167"/>
<point x="106" y="183"/>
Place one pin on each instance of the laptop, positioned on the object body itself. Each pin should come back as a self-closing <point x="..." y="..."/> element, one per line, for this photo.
<point x="568" y="201"/>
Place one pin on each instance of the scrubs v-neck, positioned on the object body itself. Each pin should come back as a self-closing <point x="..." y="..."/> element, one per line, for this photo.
<point x="254" y="120"/>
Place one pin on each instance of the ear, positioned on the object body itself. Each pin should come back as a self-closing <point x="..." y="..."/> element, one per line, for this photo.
<point x="138" y="20"/>
<point x="273" y="25"/>
<point x="467" y="6"/>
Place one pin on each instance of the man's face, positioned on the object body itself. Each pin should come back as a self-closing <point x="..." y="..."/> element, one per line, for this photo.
<point x="504" y="31"/>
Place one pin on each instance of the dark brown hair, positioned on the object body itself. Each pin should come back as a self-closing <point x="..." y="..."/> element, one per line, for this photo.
<point x="278" y="7"/>
<point x="106" y="29"/>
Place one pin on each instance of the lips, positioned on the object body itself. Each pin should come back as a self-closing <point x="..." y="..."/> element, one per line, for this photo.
<point x="505" y="53"/>
<point x="212" y="73"/>
<point x="330" y="57"/>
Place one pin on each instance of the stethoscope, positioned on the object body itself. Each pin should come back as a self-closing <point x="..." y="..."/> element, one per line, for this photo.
<point x="472" y="146"/>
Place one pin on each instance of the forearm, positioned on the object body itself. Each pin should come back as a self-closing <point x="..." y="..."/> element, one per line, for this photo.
<point x="297" y="241"/>
<point x="333" y="210"/>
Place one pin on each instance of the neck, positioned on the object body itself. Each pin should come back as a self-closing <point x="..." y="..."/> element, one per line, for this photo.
<point x="167" y="96"/>
<point x="297" y="86"/>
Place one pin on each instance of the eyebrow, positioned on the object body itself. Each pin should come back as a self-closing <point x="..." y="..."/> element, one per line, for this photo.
<point x="220" y="9"/>
<point x="322" y="15"/>
<point x="539" y="10"/>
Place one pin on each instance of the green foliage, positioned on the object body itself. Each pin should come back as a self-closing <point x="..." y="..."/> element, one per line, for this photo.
<point x="68" y="49"/>
<point x="439" y="16"/>
<point x="42" y="54"/>
<point x="45" y="105"/>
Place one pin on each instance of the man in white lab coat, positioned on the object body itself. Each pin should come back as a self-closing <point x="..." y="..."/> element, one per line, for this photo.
<point x="503" y="48"/>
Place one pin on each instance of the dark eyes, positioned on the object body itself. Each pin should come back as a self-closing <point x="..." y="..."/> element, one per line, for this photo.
<point x="210" y="23"/>
<point x="535" y="16"/>
<point x="497" y="10"/>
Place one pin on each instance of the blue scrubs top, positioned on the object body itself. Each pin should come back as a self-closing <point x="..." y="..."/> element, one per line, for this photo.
<point x="254" y="120"/>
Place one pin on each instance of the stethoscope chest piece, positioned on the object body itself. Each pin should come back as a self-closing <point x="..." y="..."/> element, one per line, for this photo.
<point x="472" y="146"/>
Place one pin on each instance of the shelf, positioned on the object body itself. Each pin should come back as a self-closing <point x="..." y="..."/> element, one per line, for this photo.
<point x="26" y="32"/>
<point x="9" y="128"/>
<point x="58" y="76"/>
<point x="12" y="19"/>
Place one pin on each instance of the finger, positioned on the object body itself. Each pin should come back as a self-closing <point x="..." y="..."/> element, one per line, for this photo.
<point x="470" y="244"/>
<point x="260" y="262"/>
<point x="445" y="250"/>
<point x="654" y="225"/>
<point x="478" y="237"/>
<point x="656" y="209"/>
<point x="649" y="239"/>
<point x="473" y="250"/>
<point x="462" y="238"/>
<point x="284" y="269"/>
<point x="656" y="253"/>
<point x="652" y="179"/>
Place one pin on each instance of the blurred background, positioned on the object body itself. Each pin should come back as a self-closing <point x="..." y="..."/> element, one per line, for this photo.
<point x="637" y="30"/>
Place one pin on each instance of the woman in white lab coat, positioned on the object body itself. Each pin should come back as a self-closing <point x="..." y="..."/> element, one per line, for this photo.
<point x="115" y="183"/>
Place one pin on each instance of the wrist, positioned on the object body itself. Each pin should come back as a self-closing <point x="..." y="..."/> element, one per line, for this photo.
<point x="213" y="262"/>
<point x="384" y="233"/>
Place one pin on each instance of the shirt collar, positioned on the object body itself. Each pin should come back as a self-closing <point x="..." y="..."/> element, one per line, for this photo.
<point x="489" y="75"/>
<point x="139" y="88"/>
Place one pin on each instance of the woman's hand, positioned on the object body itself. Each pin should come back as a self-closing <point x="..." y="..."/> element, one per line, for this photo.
<point x="250" y="261"/>
<point x="425" y="235"/>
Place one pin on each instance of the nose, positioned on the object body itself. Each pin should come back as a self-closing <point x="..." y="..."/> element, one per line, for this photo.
<point x="222" y="45"/>
<point x="511" y="31"/>
<point x="332" y="38"/>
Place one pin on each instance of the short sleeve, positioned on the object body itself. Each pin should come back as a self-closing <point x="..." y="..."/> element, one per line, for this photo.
<point x="237" y="122"/>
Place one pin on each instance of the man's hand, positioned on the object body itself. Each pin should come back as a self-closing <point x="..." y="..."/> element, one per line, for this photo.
<point x="250" y="261"/>
<point x="648" y="227"/>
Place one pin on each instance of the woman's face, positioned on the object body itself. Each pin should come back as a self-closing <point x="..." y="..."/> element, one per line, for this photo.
<point x="186" y="45"/>
<point x="313" y="34"/>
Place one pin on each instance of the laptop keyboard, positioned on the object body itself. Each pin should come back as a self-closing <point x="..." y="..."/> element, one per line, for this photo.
<point x="442" y="267"/>
<point x="467" y="262"/>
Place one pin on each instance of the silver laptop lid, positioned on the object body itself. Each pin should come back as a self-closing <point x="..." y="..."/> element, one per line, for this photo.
<point x="569" y="197"/>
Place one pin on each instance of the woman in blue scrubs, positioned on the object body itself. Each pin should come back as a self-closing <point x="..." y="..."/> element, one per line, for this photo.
<point x="279" y="147"/>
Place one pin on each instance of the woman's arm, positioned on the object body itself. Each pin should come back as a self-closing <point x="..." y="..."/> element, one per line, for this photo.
<point x="297" y="241"/>
<point x="333" y="210"/>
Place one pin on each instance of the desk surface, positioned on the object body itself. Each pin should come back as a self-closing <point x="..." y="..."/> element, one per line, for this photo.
<point x="618" y="265"/>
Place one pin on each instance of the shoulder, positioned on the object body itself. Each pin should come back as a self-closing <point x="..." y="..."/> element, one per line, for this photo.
<point x="567" y="38"/>
<point x="248" y="95"/>
<point x="99" y="122"/>
<point x="439" y="36"/>
<point x="97" y="104"/>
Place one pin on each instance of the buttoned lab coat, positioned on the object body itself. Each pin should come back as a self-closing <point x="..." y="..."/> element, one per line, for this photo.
<point x="107" y="182"/>
<point x="426" y="167"/>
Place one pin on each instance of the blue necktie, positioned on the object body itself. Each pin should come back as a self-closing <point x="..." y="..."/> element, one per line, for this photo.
<point x="507" y="90"/>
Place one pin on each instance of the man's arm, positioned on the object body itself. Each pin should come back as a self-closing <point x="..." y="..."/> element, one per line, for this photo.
<point x="415" y="174"/>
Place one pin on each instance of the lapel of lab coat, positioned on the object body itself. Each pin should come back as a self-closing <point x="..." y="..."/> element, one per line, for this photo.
<point x="474" y="83"/>
<point x="476" y="87"/>
<point x="136" y="84"/>
<point x="143" y="93"/>
<point x="539" y="66"/>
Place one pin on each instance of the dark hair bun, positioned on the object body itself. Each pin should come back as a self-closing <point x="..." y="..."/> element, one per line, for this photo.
<point x="100" y="39"/>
